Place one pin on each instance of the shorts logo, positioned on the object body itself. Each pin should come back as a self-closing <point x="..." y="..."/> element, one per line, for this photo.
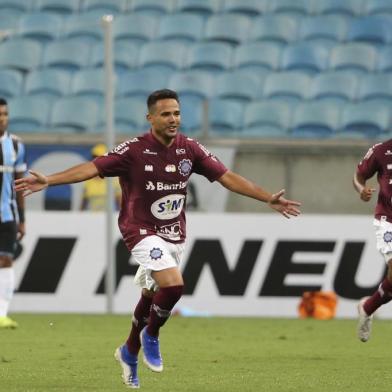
<point x="388" y="236"/>
<point x="185" y="167"/>
<point x="156" y="253"/>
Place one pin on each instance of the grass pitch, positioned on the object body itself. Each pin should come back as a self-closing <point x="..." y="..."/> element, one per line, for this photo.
<point x="74" y="353"/>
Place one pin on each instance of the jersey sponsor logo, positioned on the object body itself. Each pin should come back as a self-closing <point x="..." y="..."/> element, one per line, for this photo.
<point x="168" y="207"/>
<point x="156" y="253"/>
<point x="123" y="147"/>
<point x="180" y="151"/>
<point x="148" y="168"/>
<point x="162" y="186"/>
<point x="171" y="232"/>
<point x="150" y="186"/>
<point x="170" y="168"/>
<point x="148" y="152"/>
<point x="185" y="167"/>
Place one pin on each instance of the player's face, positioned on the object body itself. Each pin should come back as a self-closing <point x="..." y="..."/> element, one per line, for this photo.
<point x="165" y="119"/>
<point x="3" y="118"/>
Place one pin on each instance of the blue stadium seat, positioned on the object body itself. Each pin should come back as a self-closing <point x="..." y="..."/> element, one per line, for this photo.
<point x="141" y="83"/>
<point x="258" y="56"/>
<point x="89" y="83"/>
<point x="21" y="54"/>
<point x="238" y="86"/>
<point x="233" y="29"/>
<point x="84" y="27"/>
<point x="62" y="7"/>
<point x="104" y="6"/>
<point x="354" y="56"/>
<point x="70" y="54"/>
<point x="29" y="114"/>
<point x="378" y="7"/>
<point x="135" y="28"/>
<point x="19" y="7"/>
<point x="48" y="83"/>
<point x="291" y="7"/>
<point x="287" y="86"/>
<point x="267" y="119"/>
<point x="323" y="29"/>
<point x="385" y="59"/>
<point x="245" y="7"/>
<point x="224" y="116"/>
<point x="369" y="118"/>
<point x="8" y="24"/>
<point x="198" y="85"/>
<point x="125" y="56"/>
<point x="191" y="115"/>
<point x="11" y="82"/>
<point x="74" y="114"/>
<point x="210" y="56"/>
<point x="305" y="56"/>
<point x="276" y="28"/>
<point x="162" y="55"/>
<point x="335" y="86"/>
<point x="41" y="26"/>
<point x="183" y="27"/>
<point x="202" y="7"/>
<point x="153" y="7"/>
<point x="316" y="119"/>
<point x="373" y="29"/>
<point x="376" y="87"/>
<point x="346" y="7"/>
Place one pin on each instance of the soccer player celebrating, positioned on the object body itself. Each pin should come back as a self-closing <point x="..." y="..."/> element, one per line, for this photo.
<point x="154" y="171"/>
<point x="377" y="160"/>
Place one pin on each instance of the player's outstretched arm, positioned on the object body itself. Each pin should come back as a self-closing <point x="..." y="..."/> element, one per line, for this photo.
<point x="238" y="184"/>
<point x="37" y="181"/>
<point x="365" y="192"/>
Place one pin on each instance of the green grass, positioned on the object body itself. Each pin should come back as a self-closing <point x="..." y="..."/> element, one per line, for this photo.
<point x="200" y="354"/>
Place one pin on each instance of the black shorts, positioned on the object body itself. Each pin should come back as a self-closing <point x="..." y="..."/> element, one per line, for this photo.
<point x="8" y="238"/>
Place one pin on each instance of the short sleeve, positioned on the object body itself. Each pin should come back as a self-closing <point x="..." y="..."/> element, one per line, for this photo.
<point x="20" y="162"/>
<point x="369" y="164"/>
<point x="115" y="163"/>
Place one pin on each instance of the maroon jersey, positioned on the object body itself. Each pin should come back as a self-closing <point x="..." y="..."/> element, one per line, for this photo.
<point x="154" y="181"/>
<point x="379" y="160"/>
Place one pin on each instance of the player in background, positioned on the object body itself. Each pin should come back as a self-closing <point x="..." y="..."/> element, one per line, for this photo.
<point x="154" y="171"/>
<point x="12" y="217"/>
<point x="378" y="160"/>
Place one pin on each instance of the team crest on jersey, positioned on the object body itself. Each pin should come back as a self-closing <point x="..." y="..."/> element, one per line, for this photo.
<point x="388" y="236"/>
<point x="185" y="167"/>
<point x="156" y="253"/>
<point x="170" y="168"/>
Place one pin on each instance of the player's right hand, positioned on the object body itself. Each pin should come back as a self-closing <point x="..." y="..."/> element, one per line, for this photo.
<point x="34" y="183"/>
<point x="366" y="193"/>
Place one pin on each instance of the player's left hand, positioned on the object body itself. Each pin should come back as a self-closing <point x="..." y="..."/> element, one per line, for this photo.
<point x="286" y="207"/>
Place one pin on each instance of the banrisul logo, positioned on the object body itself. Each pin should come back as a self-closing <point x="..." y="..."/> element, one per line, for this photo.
<point x="168" y="207"/>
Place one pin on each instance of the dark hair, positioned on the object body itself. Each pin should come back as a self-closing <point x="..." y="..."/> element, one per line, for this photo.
<point x="3" y="102"/>
<point x="157" y="95"/>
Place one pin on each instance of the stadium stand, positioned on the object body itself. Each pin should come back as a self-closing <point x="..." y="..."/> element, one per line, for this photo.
<point x="257" y="56"/>
<point x="225" y="116"/>
<point x="372" y="29"/>
<point x="346" y="7"/>
<point x="201" y="7"/>
<point x="291" y="7"/>
<point x="11" y="83"/>
<point x="385" y="59"/>
<point x="40" y="26"/>
<point x="378" y="7"/>
<point x="245" y="7"/>
<point x="134" y="28"/>
<point x="49" y="83"/>
<point x="104" y="6"/>
<point x="63" y="7"/>
<point x="153" y="7"/>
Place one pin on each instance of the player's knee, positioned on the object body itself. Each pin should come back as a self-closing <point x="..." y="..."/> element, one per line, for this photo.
<point x="175" y="292"/>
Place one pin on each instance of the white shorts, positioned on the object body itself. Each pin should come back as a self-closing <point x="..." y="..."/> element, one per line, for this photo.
<point x="384" y="238"/>
<point x="153" y="253"/>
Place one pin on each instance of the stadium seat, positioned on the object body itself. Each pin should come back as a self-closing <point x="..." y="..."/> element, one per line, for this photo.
<point x="126" y="55"/>
<point x="135" y="28"/>
<point x="258" y="56"/>
<point x="74" y="114"/>
<point x="323" y="29"/>
<point x="191" y="115"/>
<point x="162" y="55"/>
<point x="316" y="119"/>
<point x="153" y="7"/>
<point x="376" y="87"/>
<point x="372" y="29"/>
<point x="346" y="7"/>
<point x="305" y="56"/>
<point x="238" y="86"/>
<point x="40" y="26"/>
<point x="368" y="118"/>
<point x="378" y="7"/>
<point x="47" y="82"/>
<point x="291" y="7"/>
<point x="21" y="54"/>
<point x="267" y="119"/>
<point x="70" y="54"/>
<point x="287" y="86"/>
<point x="245" y="7"/>
<point x="104" y="6"/>
<point x="89" y="83"/>
<point x="354" y="56"/>
<point x="11" y="82"/>
<point x="334" y="86"/>
<point x="276" y="28"/>
<point x="202" y="7"/>
<point x="385" y="59"/>
<point x="29" y="114"/>
<point x="19" y="7"/>
<point x="84" y="27"/>
<point x="224" y="116"/>
<point x="182" y="28"/>
<point x="216" y="28"/>
<point x="62" y="7"/>
<point x="199" y="85"/>
<point x="209" y="56"/>
<point x="8" y="24"/>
